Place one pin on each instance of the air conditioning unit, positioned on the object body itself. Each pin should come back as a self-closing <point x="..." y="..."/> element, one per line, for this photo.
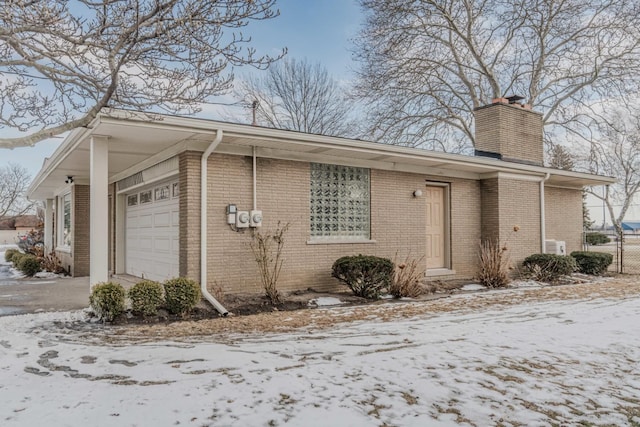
<point x="558" y="247"/>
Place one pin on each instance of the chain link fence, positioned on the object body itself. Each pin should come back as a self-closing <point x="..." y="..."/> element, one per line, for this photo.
<point x="625" y="250"/>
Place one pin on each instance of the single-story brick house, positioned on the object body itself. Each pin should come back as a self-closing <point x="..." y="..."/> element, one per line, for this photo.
<point x="159" y="196"/>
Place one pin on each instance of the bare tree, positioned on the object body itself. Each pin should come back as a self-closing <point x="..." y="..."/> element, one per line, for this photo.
<point x="425" y="65"/>
<point x="14" y="181"/>
<point x="62" y="61"/>
<point x="616" y="153"/>
<point x="297" y="95"/>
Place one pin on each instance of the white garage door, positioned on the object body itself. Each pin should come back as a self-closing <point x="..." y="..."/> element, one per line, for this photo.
<point x="152" y="232"/>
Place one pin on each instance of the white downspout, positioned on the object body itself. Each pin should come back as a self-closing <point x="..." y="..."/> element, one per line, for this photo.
<point x="203" y="224"/>
<point x="543" y="236"/>
<point x="255" y="191"/>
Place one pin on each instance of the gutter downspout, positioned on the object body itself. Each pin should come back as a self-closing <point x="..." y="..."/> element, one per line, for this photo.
<point x="255" y="191"/>
<point x="543" y="236"/>
<point x="203" y="224"/>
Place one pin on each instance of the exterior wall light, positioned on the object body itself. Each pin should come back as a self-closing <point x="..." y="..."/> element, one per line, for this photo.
<point x="417" y="193"/>
<point x="69" y="180"/>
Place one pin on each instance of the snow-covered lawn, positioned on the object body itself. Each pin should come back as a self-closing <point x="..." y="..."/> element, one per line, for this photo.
<point x="534" y="364"/>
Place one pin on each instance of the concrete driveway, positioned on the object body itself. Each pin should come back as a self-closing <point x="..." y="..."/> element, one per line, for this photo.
<point x="28" y="295"/>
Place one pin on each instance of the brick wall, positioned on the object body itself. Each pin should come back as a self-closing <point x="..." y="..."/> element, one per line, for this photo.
<point x="81" y="232"/>
<point x="397" y="223"/>
<point x="507" y="203"/>
<point x="189" y="171"/>
<point x="77" y="260"/>
<point x="563" y="216"/>
<point x="510" y="130"/>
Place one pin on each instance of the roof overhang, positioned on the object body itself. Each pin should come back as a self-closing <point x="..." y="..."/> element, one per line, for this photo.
<point x="139" y="140"/>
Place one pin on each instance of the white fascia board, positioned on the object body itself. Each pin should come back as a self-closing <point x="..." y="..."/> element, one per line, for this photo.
<point x="74" y="139"/>
<point x="271" y="153"/>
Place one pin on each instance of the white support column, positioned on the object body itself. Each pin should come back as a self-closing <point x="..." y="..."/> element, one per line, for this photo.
<point x="99" y="211"/>
<point x="48" y="225"/>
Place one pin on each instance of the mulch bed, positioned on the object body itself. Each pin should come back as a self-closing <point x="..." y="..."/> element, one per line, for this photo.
<point x="252" y="314"/>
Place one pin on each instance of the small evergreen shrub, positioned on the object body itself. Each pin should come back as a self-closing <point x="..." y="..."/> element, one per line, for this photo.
<point x="29" y="265"/>
<point x="181" y="295"/>
<point x="16" y="257"/>
<point x="597" y="238"/>
<point x="367" y="276"/>
<point x="8" y="254"/>
<point x="146" y="297"/>
<point x="549" y="267"/>
<point x="107" y="300"/>
<point x="595" y="263"/>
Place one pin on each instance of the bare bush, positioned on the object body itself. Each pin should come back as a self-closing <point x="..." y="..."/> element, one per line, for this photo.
<point x="267" y="249"/>
<point x="50" y="261"/>
<point x="494" y="264"/>
<point x="407" y="278"/>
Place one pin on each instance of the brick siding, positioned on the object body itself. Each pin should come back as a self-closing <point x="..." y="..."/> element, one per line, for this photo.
<point x="510" y="130"/>
<point x="189" y="176"/>
<point x="563" y="216"/>
<point x="397" y="222"/>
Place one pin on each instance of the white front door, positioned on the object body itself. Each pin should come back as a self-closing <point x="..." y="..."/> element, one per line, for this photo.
<point x="152" y="232"/>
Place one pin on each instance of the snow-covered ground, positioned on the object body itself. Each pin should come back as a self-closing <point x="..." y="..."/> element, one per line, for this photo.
<point x="534" y="364"/>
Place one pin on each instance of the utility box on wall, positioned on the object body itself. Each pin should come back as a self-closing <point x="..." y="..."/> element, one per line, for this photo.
<point x="557" y="247"/>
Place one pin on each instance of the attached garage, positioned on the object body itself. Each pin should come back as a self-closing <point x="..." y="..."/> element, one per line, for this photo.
<point x="152" y="231"/>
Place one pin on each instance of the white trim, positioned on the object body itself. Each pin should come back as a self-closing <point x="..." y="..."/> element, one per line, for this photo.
<point x="160" y="157"/>
<point x="338" y="241"/>
<point x="507" y="175"/>
<point x="60" y="221"/>
<point x="49" y="227"/>
<point x="448" y="246"/>
<point x="120" y="232"/>
<point x="133" y="188"/>
<point x="436" y="272"/>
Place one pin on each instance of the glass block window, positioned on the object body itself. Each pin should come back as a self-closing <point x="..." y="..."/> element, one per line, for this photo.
<point x="340" y="202"/>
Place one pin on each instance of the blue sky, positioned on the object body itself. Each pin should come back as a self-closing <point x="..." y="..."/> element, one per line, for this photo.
<point x="318" y="30"/>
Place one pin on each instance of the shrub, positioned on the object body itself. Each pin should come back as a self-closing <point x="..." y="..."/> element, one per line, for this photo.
<point x="494" y="265"/>
<point x="592" y="262"/>
<point x="146" y="297"/>
<point x="8" y="254"/>
<point x="407" y="278"/>
<point x="51" y="262"/>
<point x="16" y="257"/>
<point x="181" y="295"/>
<point x="367" y="276"/>
<point x="29" y="265"/>
<point x="549" y="267"/>
<point x="107" y="300"/>
<point x="596" y="238"/>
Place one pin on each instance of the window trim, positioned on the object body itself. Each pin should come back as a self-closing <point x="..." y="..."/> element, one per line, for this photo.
<point x="60" y="245"/>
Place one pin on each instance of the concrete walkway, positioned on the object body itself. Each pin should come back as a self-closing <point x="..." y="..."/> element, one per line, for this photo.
<point x="28" y="295"/>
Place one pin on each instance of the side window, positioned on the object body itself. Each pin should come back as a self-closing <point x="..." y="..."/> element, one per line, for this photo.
<point x="340" y="202"/>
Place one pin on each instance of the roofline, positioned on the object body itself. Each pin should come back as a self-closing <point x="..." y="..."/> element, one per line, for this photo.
<point x="200" y="125"/>
<point x="235" y="129"/>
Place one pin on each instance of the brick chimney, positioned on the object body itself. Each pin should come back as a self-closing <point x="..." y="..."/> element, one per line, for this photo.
<point x="510" y="131"/>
